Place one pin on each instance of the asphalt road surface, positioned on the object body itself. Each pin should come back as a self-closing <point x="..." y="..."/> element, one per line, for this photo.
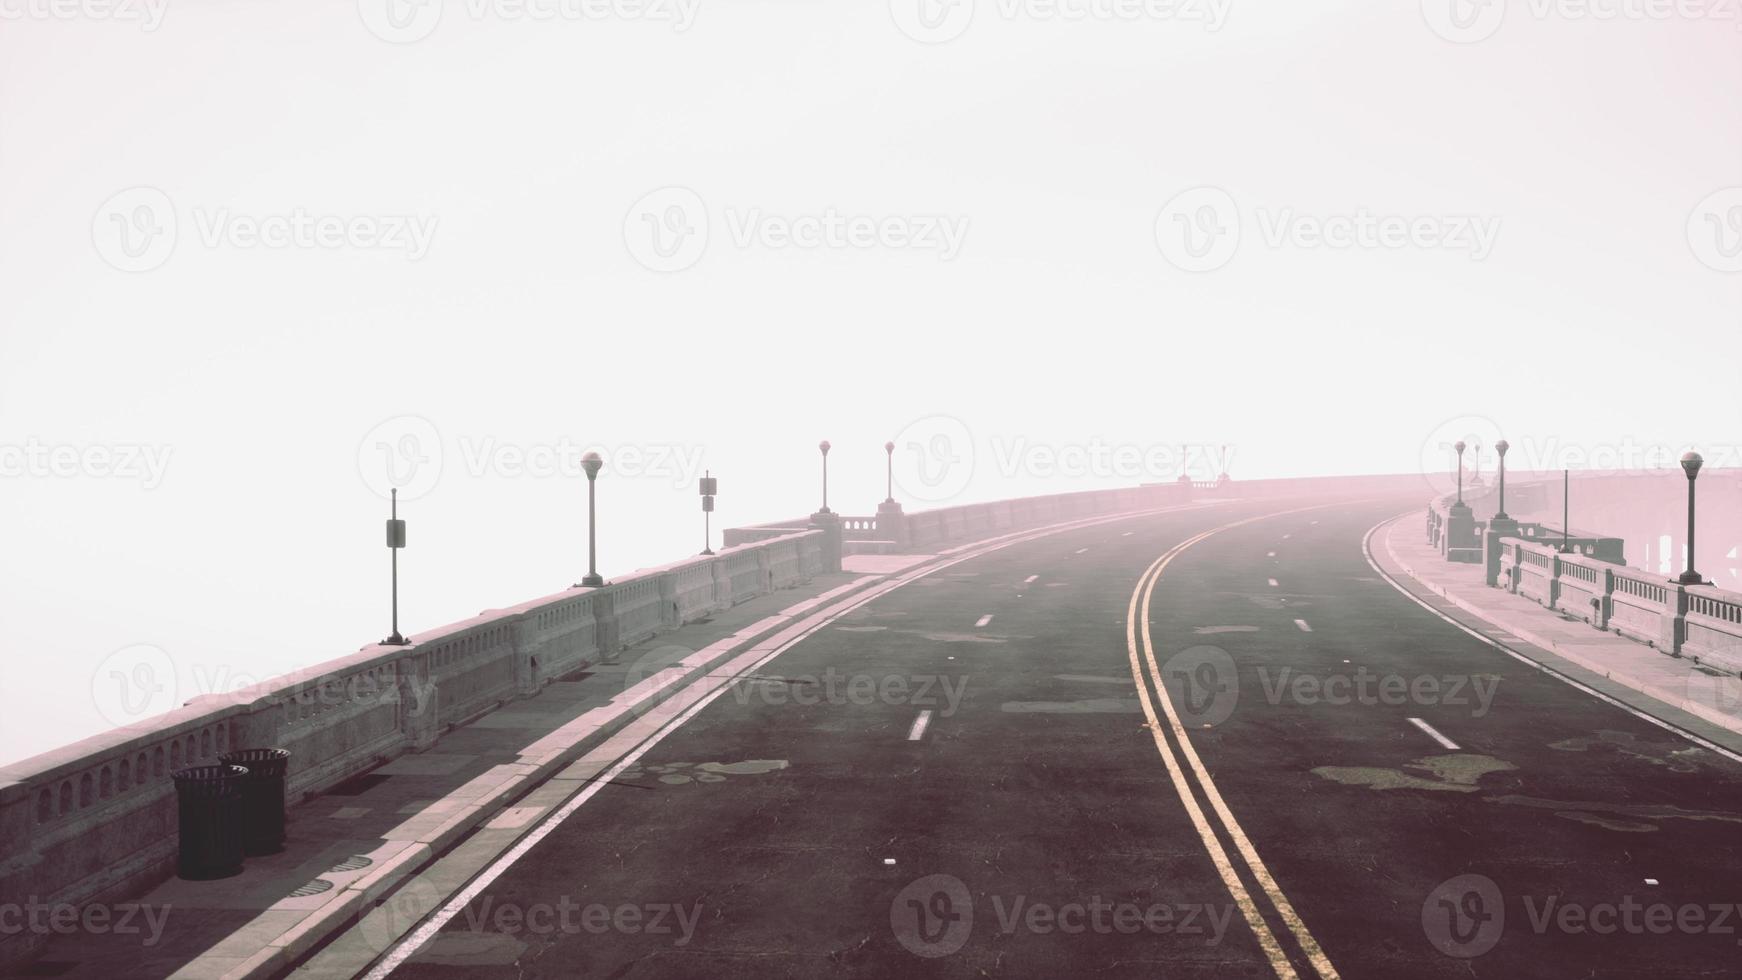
<point x="976" y="775"/>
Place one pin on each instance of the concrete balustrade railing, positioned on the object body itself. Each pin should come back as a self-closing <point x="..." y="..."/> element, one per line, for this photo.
<point x="1700" y="622"/>
<point x="1582" y="587"/>
<point x="928" y="528"/>
<point x="924" y="529"/>
<point x="1645" y="607"/>
<point x="859" y="528"/>
<point x="1712" y="631"/>
<point x="98" y="818"/>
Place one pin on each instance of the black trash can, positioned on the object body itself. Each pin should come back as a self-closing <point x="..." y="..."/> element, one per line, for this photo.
<point x="210" y="802"/>
<point x="262" y="798"/>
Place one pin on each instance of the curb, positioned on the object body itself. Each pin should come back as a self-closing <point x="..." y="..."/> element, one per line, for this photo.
<point x="515" y="780"/>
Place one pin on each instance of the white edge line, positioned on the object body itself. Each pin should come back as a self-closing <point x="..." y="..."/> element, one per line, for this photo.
<point x="1434" y="734"/>
<point x="1704" y="743"/>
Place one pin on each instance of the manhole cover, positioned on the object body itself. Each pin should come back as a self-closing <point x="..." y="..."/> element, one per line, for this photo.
<point x="314" y="887"/>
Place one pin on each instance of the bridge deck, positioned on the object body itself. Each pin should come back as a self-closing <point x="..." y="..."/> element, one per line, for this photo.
<point x="1216" y="741"/>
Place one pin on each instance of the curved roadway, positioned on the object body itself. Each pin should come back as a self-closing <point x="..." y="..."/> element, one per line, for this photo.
<point x="978" y="775"/>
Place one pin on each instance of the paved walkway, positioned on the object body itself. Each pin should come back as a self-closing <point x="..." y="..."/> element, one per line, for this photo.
<point x="1668" y="687"/>
<point x="357" y="839"/>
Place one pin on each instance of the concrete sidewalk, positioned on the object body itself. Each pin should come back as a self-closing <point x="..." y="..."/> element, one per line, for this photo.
<point x="1670" y="688"/>
<point x="354" y="842"/>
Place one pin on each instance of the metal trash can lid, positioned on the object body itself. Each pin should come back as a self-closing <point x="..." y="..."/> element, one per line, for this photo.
<point x="208" y="779"/>
<point x="260" y="763"/>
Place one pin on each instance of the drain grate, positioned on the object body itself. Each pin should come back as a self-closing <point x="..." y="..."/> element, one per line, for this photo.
<point x="314" y="887"/>
<point x="355" y="862"/>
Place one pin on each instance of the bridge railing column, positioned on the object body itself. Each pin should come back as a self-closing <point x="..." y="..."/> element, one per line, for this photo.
<point x="605" y="626"/>
<point x="830" y="524"/>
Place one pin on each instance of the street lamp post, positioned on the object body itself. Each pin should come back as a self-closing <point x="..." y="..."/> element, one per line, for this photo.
<point x="824" y="446"/>
<point x="891" y="522"/>
<point x="1566" y="511"/>
<point x="591" y="463"/>
<point x="395" y="541"/>
<point x="1691" y="463"/>
<point x="1501" y="447"/>
<point x="1460" y="448"/>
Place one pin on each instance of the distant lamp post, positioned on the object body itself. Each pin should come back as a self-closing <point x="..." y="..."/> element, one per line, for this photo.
<point x="824" y="446"/>
<point x="1566" y="511"/>
<point x="1460" y="447"/>
<point x="710" y="487"/>
<point x="889" y="473"/>
<point x="591" y="463"/>
<point x="1691" y="463"/>
<point x="1501" y="447"/>
<point x="395" y="541"/>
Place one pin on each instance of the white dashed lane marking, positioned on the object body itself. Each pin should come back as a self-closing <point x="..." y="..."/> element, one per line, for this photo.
<point x="984" y="620"/>
<point x="1445" y="743"/>
<point x="1304" y="628"/>
<point x="919" y="726"/>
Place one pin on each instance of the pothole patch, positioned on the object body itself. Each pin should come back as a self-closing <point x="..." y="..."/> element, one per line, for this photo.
<point x="681" y="773"/>
<point x="1445" y="773"/>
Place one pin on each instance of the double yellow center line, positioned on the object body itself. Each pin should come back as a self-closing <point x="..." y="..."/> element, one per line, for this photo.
<point x="1137" y="623"/>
